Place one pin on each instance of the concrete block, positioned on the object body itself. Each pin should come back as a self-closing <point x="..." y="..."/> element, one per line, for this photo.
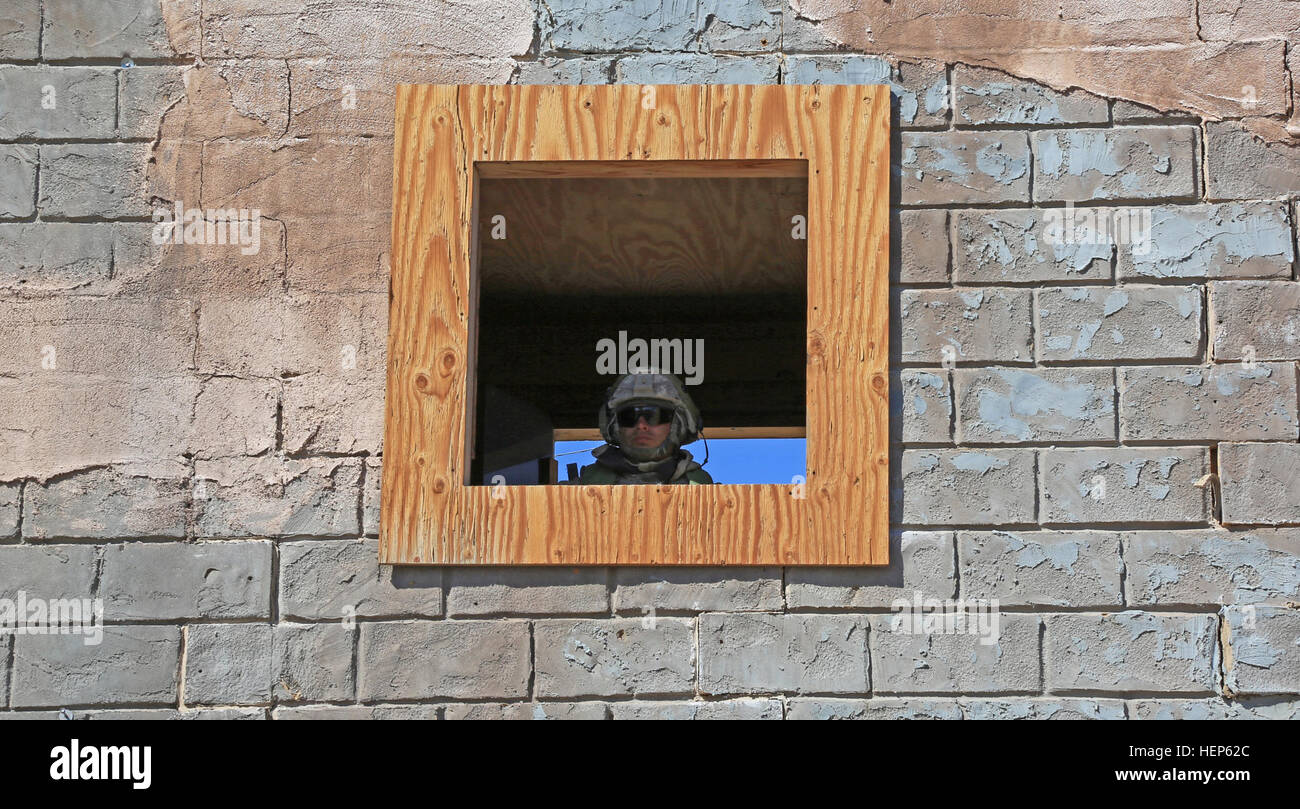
<point x="145" y="95"/>
<point x="990" y="98"/>
<point x="560" y="70"/>
<point x="1215" y="403"/>
<point x="60" y="423"/>
<point x="54" y="256"/>
<point x="1255" y="320"/>
<point x="745" y="653"/>
<point x="173" y="580"/>
<point x="341" y="335"/>
<point x="313" y="662"/>
<point x="244" y="100"/>
<point x="526" y="590"/>
<point x="651" y="590"/>
<point x="270" y="496"/>
<point x="244" y="336"/>
<point x="10" y="507"/>
<point x="918" y="90"/>
<point x="17" y="181"/>
<point x="235" y="417"/>
<point x="749" y="27"/>
<point x="85" y="29"/>
<point x="94" y="179"/>
<point x="1124" y="485"/>
<point x="967" y="487"/>
<point x="240" y="29"/>
<point x="1210" y="567"/>
<point x="943" y="663"/>
<point x="695" y="68"/>
<point x="452" y="659"/>
<point x="249" y="664"/>
<point x="525" y="710"/>
<point x="1260" y="484"/>
<point x="357" y="712"/>
<point x="169" y="715"/>
<point x="206" y="272"/>
<point x="823" y="708"/>
<point x="920" y="561"/>
<point x="800" y="34"/>
<point x="1042" y="568"/>
<point x="1127" y="112"/>
<point x="338" y="254"/>
<point x="330" y="579"/>
<point x="1008" y="405"/>
<point x="20" y="30"/>
<point x="964" y="168"/>
<point x="965" y="325"/>
<point x="728" y="709"/>
<point x="1228" y="240"/>
<point x="921" y="407"/>
<point x="335" y="412"/>
<point x="356" y="97"/>
<point x="1242" y="165"/>
<point x="132" y="664"/>
<point x="1059" y="708"/>
<point x="123" y="337"/>
<point x="623" y="656"/>
<point x="47" y="572"/>
<point x="228" y="664"/>
<point x="1260" y="652"/>
<point x="652" y="25"/>
<point x="302" y="179"/>
<point x="370" y="497"/>
<point x="1131" y="651"/>
<point x="1104" y="164"/>
<point x="1012" y="245"/>
<point x="919" y="246"/>
<point x="1214" y="708"/>
<point x="133" y="501"/>
<point x="1119" y="323"/>
<point x="56" y="102"/>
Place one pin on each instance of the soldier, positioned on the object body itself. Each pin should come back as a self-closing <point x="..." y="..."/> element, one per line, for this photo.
<point x="645" y="420"/>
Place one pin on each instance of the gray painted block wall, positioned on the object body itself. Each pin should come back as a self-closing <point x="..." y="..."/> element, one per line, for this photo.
<point x="1102" y="436"/>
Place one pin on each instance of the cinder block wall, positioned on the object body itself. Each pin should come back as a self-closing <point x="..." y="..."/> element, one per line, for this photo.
<point x="1101" y="437"/>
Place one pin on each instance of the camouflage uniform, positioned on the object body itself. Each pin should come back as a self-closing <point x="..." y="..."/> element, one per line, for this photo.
<point x="667" y="463"/>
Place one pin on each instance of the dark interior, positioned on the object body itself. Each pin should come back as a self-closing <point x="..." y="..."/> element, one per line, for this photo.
<point x="583" y="259"/>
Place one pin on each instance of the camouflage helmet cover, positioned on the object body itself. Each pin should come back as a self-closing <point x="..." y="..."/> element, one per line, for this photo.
<point x="651" y="388"/>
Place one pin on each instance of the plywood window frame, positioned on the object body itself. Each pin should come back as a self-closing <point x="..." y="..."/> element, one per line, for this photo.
<point x="448" y="136"/>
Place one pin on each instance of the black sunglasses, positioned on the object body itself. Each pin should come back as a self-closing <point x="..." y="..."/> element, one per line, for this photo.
<point x="654" y="416"/>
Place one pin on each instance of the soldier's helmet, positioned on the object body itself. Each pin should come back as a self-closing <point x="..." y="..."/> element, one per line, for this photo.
<point x="665" y="390"/>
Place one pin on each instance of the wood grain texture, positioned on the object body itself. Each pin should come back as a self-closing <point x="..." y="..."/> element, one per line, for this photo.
<point x="838" y="517"/>
<point x="643" y="236"/>
<point x="641" y="169"/>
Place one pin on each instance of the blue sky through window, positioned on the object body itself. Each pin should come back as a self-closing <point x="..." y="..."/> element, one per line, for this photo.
<point x="731" y="460"/>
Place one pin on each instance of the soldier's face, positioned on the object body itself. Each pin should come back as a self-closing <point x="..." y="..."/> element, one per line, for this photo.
<point x="645" y="436"/>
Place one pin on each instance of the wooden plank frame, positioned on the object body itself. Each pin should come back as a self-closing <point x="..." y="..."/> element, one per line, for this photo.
<point x="448" y="136"/>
